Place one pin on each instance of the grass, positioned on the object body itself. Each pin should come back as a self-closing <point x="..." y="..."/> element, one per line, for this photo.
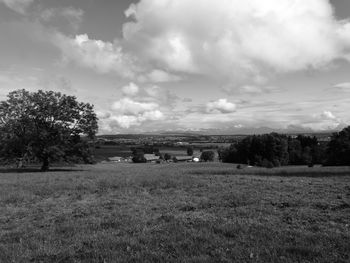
<point x="206" y="212"/>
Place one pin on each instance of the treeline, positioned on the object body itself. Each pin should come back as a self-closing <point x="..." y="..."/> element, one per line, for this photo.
<point x="273" y="150"/>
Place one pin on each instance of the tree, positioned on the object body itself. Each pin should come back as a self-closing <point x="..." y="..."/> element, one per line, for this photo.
<point x="338" y="152"/>
<point x="167" y="157"/>
<point x="208" y="156"/>
<point x="139" y="158"/>
<point x="45" y="125"/>
<point x="189" y="151"/>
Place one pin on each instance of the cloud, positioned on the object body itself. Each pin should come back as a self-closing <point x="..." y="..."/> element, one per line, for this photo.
<point x="73" y="15"/>
<point x="107" y="57"/>
<point x="139" y="106"/>
<point x="220" y="106"/>
<point x="128" y="113"/>
<point x="130" y="90"/>
<point x="103" y="115"/>
<point x="150" y="93"/>
<point x="256" y="90"/>
<point x="328" y="115"/>
<point x="104" y="57"/>
<point x="235" y="40"/>
<point x="129" y="107"/>
<point x="127" y="121"/>
<point x="19" y="6"/>
<point x="230" y="42"/>
<point x="160" y="95"/>
<point x="342" y="86"/>
<point x="158" y="76"/>
<point x="187" y="100"/>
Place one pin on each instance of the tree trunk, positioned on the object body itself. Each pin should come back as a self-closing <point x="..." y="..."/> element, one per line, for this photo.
<point x="45" y="165"/>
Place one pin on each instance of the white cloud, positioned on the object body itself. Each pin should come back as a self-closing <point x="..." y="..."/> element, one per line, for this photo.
<point x="150" y="93"/>
<point x="220" y="106"/>
<point x="124" y="121"/>
<point x="129" y="107"/>
<point x="237" y="40"/>
<point x="152" y="115"/>
<point x="228" y="40"/>
<point x="328" y="115"/>
<point x="104" y="57"/>
<point x="20" y="6"/>
<point x="103" y="115"/>
<point x="342" y="86"/>
<point x="139" y="106"/>
<point x="128" y="113"/>
<point x="160" y="95"/>
<point x="130" y="90"/>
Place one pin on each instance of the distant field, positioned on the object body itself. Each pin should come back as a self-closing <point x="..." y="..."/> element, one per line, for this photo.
<point x="124" y="151"/>
<point x="190" y="212"/>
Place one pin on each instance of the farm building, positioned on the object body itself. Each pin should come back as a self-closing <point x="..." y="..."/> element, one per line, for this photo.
<point x="182" y="159"/>
<point x="116" y="159"/>
<point x="151" y="157"/>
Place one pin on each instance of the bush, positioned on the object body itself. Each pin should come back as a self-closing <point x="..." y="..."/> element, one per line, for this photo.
<point x="266" y="163"/>
<point x="139" y="158"/>
<point x="207" y="156"/>
<point x="167" y="157"/>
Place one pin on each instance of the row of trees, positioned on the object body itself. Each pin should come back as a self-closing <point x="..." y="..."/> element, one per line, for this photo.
<point x="46" y="126"/>
<point x="271" y="150"/>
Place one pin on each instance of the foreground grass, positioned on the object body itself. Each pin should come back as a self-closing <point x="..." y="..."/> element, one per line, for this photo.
<point x="175" y="213"/>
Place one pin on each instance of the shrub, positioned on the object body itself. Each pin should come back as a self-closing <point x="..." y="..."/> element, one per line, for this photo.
<point x="139" y="158"/>
<point x="207" y="156"/>
<point x="167" y="157"/>
<point x="266" y="163"/>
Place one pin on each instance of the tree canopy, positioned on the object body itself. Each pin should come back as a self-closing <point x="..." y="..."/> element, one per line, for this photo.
<point x="45" y="125"/>
<point x="270" y="150"/>
<point x="207" y="156"/>
<point x="338" y="151"/>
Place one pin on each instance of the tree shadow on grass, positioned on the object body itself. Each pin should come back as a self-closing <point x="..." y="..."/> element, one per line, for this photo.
<point x="37" y="170"/>
<point x="345" y="171"/>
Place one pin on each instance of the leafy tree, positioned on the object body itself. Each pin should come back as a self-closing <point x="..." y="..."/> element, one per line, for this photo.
<point x="338" y="152"/>
<point x="207" y="156"/>
<point x="228" y="155"/>
<point x="258" y="150"/>
<point x="139" y="158"/>
<point x="45" y="125"/>
<point x="295" y="151"/>
<point x="189" y="151"/>
<point x="167" y="157"/>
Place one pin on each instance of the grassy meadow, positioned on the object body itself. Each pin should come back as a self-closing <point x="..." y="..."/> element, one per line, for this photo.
<point x="185" y="212"/>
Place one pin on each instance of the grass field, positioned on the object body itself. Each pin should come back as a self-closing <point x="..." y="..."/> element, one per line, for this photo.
<point x="205" y="212"/>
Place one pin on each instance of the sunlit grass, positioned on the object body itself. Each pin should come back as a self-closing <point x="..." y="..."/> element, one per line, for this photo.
<point x="206" y="212"/>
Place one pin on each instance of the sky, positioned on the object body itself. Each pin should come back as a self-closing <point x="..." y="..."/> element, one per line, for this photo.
<point x="216" y="67"/>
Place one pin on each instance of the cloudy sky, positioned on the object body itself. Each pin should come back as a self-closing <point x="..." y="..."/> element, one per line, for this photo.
<point x="227" y="66"/>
